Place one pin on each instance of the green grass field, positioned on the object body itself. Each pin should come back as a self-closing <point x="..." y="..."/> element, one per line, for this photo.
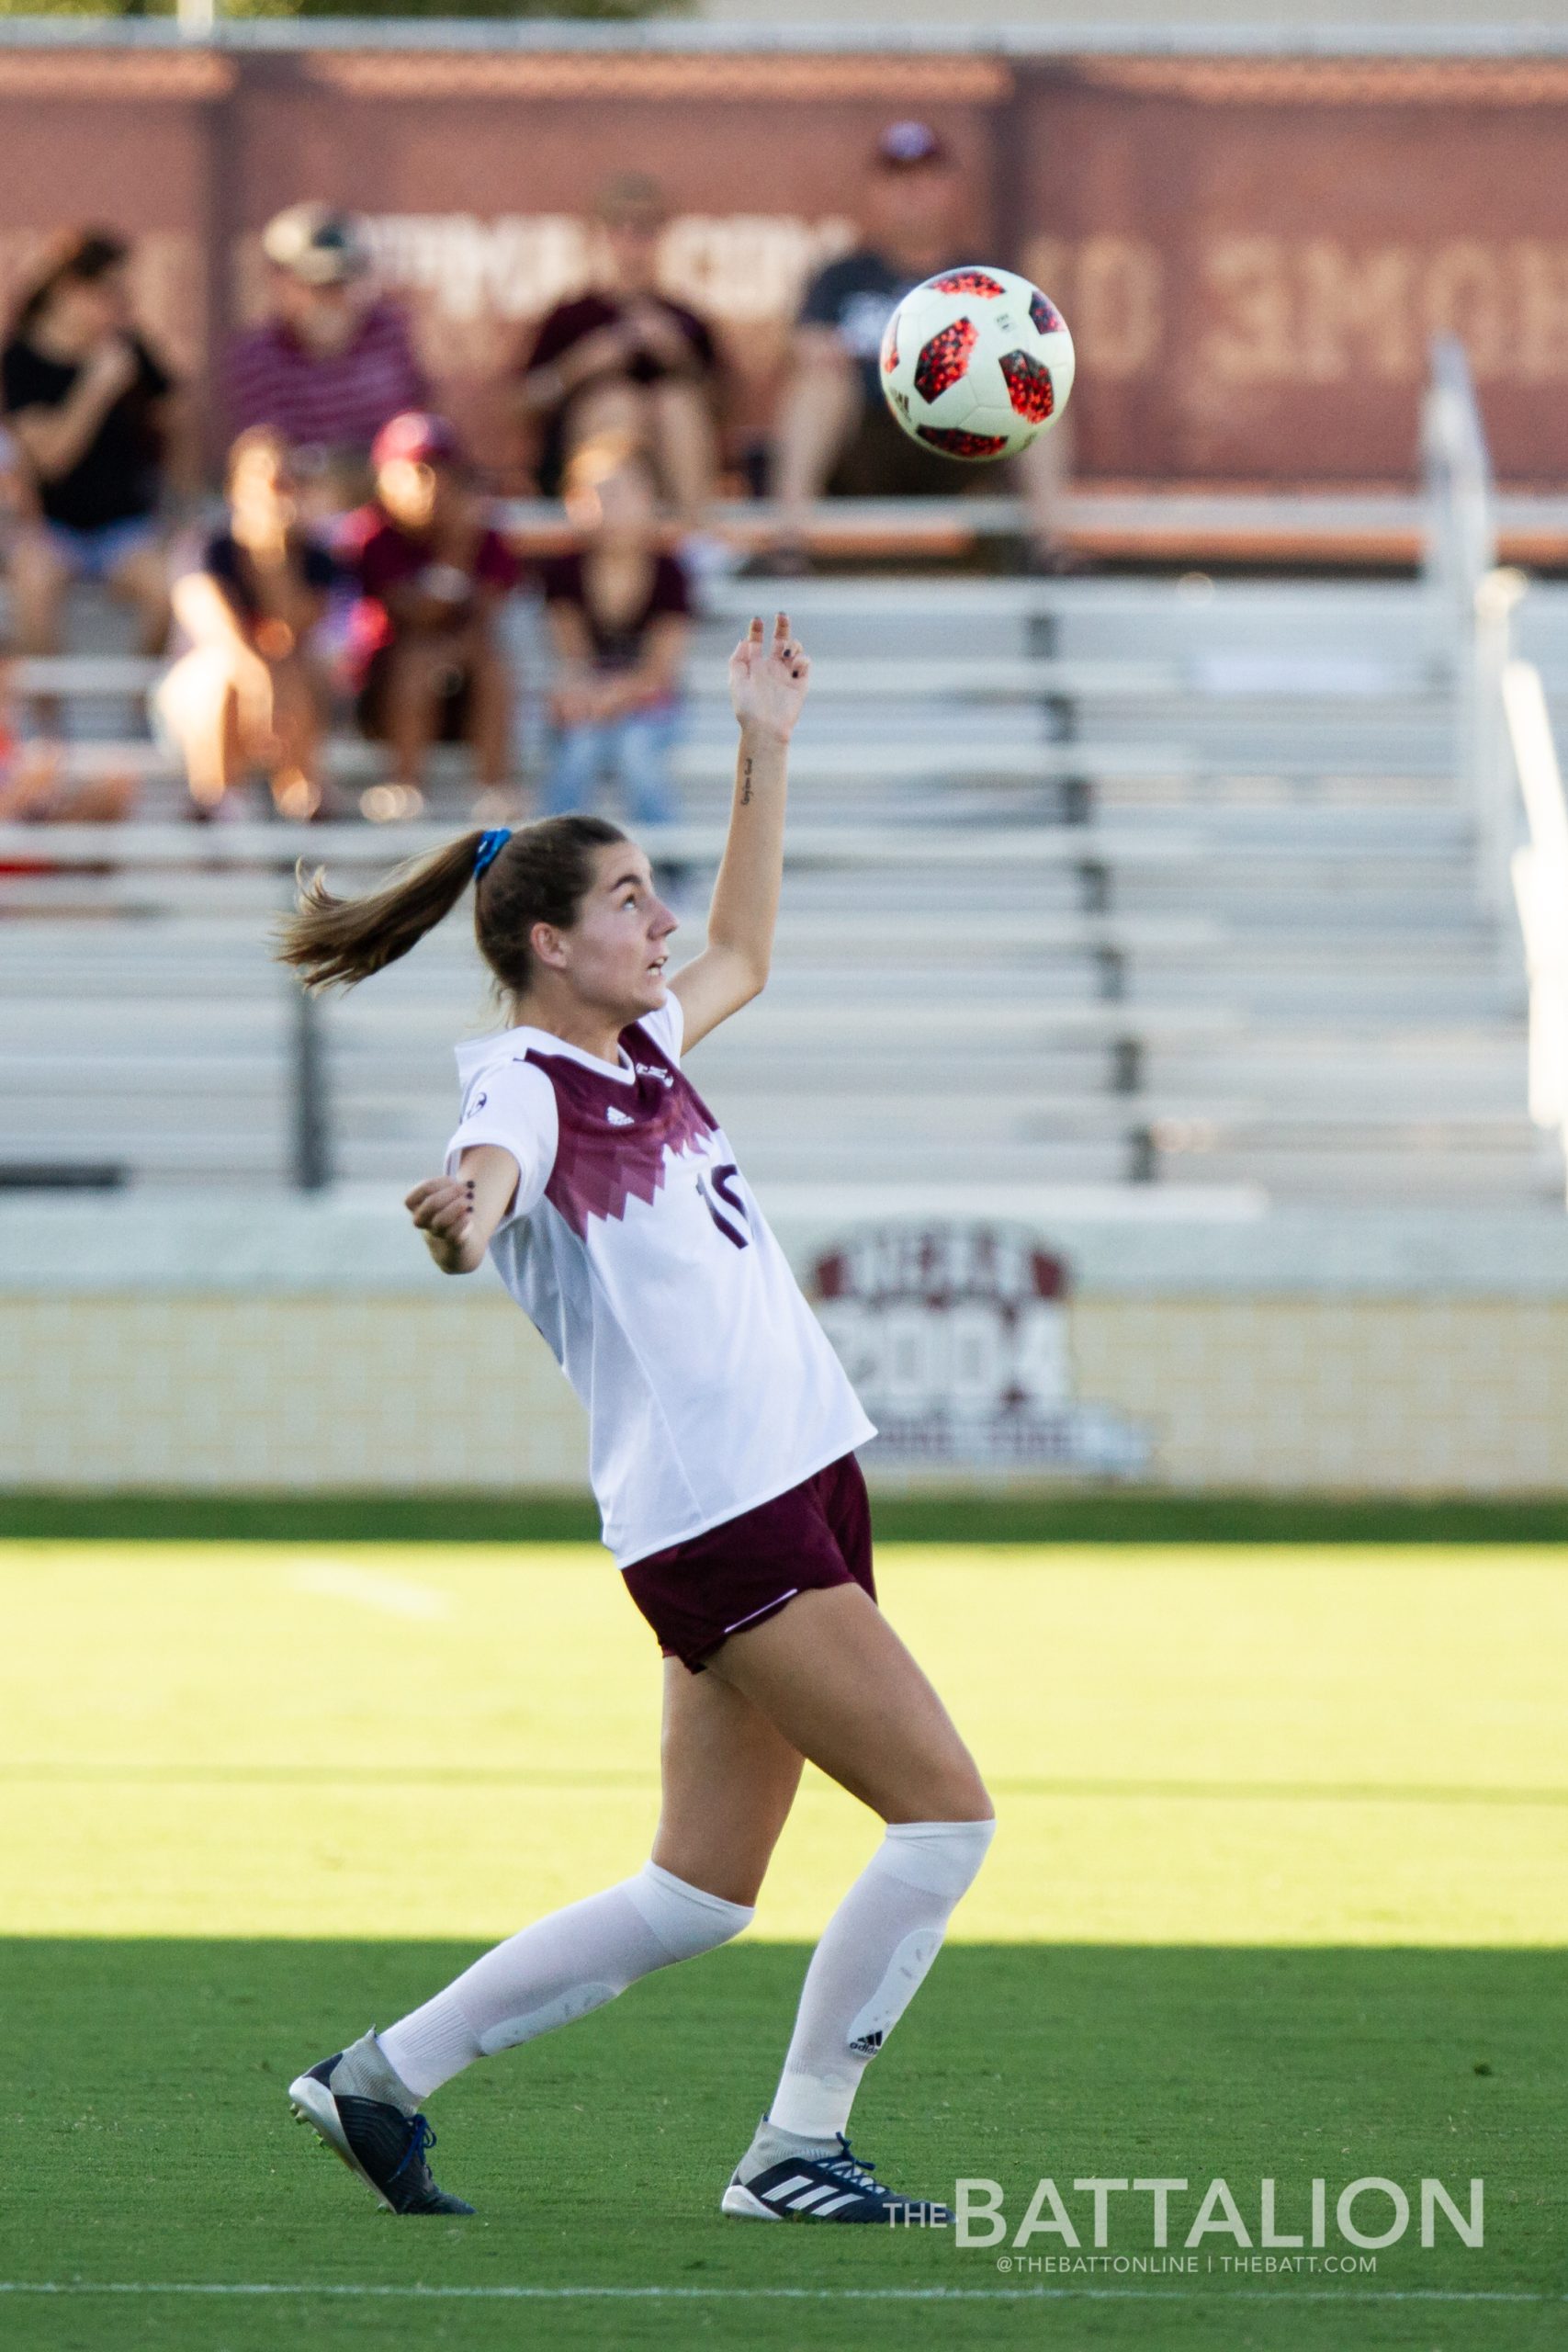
<point x="1279" y="1891"/>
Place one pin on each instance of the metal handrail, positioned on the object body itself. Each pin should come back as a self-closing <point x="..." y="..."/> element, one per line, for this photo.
<point x="1461" y="545"/>
<point x="1506" y="752"/>
<point x="1472" y="602"/>
<point x="1540" y="873"/>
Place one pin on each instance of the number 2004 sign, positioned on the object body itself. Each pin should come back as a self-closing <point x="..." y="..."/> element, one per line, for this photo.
<point x="957" y="1338"/>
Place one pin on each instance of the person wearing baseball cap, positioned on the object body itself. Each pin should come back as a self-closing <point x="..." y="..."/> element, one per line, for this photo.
<point x="903" y="145"/>
<point x="334" y="361"/>
<point x="833" y="434"/>
<point x="831" y="431"/>
<point x="316" y="245"/>
<point x="433" y="573"/>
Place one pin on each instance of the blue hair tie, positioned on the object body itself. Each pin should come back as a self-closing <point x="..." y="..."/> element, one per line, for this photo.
<point x="490" y="848"/>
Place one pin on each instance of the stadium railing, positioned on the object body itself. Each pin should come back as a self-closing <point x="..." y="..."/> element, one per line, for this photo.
<point x="1461" y="545"/>
<point x="1505" y="744"/>
<point x="1539" y="869"/>
<point x="1473" y="601"/>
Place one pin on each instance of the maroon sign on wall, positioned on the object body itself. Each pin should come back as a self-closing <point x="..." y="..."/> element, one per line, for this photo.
<point x="1253" y="254"/>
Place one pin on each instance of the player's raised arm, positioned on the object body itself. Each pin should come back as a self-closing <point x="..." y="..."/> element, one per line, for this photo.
<point x="767" y="687"/>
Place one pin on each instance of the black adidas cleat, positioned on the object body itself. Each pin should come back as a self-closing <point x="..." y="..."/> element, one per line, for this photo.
<point x="830" y="2185"/>
<point x="366" y="2116"/>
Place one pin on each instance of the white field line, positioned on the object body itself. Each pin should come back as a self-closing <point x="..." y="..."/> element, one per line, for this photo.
<point x="791" y="2294"/>
<point x="371" y="1588"/>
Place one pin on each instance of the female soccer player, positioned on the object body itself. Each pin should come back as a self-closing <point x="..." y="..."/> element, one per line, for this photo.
<point x="722" y="1436"/>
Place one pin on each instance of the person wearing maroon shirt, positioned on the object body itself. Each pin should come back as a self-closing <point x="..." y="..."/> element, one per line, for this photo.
<point x="333" y="362"/>
<point x="624" y="359"/>
<point x="619" y="619"/>
<point x="432" y="575"/>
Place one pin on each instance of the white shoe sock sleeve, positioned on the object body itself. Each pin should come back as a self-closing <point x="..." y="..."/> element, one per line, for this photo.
<point x="559" y="1968"/>
<point x="871" y="1961"/>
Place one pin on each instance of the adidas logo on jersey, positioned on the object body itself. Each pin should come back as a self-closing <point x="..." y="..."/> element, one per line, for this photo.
<point x="619" y="1118"/>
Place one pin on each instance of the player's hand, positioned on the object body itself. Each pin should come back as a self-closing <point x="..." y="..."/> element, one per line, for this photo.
<point x="443" y="1210"/>
<point x="767" y="683"/>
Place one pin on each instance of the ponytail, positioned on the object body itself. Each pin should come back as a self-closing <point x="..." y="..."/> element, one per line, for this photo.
<point x="337" y="943"/>
<point x="541" y="873"/>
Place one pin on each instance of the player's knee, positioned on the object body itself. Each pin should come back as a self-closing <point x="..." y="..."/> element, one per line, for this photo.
<point x="949" y="1789"/>
<point x="686" y="1920"/>
<point x="942" y="1857"/>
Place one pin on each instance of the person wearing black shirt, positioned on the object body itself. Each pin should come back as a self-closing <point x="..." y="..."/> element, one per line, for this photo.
<point x="834" y="433"/>
<point x="250" y="694"/>
<point x="624" y="361"/>
<point x="91" y="407"/>
<point x="619" y="615"/>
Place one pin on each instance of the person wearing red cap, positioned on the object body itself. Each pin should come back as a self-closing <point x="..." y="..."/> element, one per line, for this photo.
<point x="833" y="433"/>
<point x="433" y="573"/>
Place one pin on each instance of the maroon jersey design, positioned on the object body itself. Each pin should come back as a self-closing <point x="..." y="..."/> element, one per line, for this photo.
<point x="944" y="359"/>
<point x="959" y="443"/>
<point x="613" y="1137"/>
<point x="1029" y="386"/>
<point x="1044" y="313"/>
<point x="968" y="281"/>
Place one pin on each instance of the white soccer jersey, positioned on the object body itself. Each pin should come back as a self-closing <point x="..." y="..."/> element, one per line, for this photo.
<point x="637" y="1248"/>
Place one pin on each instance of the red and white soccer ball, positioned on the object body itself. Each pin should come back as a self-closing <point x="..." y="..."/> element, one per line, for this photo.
<point x="977" y="363"/>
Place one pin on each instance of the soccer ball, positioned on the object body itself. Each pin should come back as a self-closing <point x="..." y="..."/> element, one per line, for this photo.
<point x="975" y="363"/>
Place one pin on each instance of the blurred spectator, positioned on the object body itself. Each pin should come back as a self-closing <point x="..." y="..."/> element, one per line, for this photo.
<point x="625" y="359"/>
<point x="250" y="694"/>
<point x="35" y="789"/>
<point x="834" y="434"/>
<point x="16" y="496"/>
<point x="432" y="575"/>
<point x="94" y="415"/>
<point x="617" y="610"/>
<point x="333" y="362"/>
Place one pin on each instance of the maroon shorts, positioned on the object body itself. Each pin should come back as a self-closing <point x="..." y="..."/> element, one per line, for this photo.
<point x="695" y="1595"/>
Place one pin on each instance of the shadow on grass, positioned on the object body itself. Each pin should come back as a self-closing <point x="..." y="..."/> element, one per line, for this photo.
<point x="151" y="2140"/>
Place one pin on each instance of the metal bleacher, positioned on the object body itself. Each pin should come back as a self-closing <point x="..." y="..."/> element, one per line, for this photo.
<point x="1093" y="884"/>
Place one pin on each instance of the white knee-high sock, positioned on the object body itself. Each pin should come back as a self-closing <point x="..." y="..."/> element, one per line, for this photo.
<point x="873" y="1954"/>
<point x="557" y="1969"/>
